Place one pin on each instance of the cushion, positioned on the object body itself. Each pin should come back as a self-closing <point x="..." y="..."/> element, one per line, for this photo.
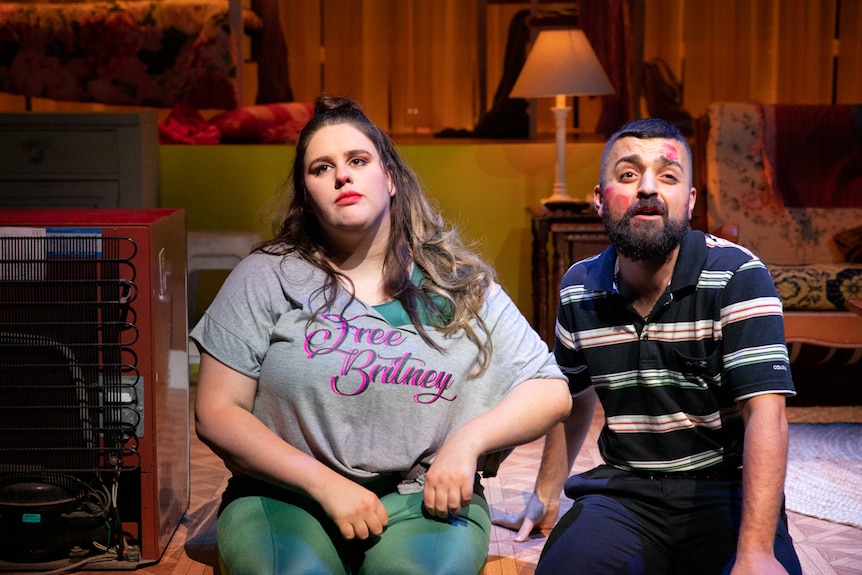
<point x="822" y="287"/>
<point x="266" y="123"/>
<point x="849" y="243"/>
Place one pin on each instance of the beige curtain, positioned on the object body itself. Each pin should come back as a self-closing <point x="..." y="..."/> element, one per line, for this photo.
<point x="773" y="51"/>
<point x="849" y="79"/>
<point x="414" y="63"/>
<point x="411" y="63"/>
<point x="434" y="50"/>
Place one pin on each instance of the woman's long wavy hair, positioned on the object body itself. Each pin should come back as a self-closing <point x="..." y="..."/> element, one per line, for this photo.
<point x="418" y="234"/>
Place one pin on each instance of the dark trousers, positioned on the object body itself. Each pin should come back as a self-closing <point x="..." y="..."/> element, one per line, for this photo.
<point x="625" y="523"/>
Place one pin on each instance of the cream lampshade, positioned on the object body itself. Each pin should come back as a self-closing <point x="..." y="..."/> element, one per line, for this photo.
<point x="561" y="63"/>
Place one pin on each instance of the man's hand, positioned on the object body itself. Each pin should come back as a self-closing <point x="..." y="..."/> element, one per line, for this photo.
<point x="536" y="516"/>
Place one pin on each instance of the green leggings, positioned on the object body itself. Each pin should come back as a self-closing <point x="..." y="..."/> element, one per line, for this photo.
<point x="290" y="535"/>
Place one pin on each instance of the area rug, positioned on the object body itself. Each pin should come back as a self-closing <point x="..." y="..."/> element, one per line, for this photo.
<point x="824" y="471"/>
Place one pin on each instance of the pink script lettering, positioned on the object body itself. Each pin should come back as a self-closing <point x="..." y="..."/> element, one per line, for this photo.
<point x="368" y="366"/>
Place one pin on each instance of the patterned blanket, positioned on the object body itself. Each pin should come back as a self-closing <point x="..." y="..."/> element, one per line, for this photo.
<point x="134" y="53"/>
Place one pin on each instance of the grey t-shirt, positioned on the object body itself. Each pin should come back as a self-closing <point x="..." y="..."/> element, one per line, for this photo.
<point x="362" y="396"/>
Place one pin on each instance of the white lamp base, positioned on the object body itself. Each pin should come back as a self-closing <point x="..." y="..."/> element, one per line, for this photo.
<point x="560" y="198"/>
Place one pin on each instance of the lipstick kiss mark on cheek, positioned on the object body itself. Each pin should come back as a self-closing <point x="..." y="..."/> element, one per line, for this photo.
<point x="617" y="202"/>
<point x="671" y="153"/>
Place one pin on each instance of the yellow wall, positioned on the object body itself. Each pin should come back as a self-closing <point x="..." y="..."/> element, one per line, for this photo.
<point x="484" y="188"/>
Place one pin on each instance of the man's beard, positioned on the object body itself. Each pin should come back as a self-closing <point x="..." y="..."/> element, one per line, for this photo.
<point x="648" y="242"/>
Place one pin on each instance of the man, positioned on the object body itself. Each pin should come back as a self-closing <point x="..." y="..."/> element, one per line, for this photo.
<point x="680" y="335"/>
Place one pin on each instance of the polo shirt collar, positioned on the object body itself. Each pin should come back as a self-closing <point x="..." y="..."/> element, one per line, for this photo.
<point x="689" y="263"/>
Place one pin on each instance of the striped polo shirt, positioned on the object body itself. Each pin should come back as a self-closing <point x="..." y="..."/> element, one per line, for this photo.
<point x="669" y="384"/>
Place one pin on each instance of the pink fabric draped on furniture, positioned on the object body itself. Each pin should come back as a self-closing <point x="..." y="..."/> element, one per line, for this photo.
<point x="813" y="154"/>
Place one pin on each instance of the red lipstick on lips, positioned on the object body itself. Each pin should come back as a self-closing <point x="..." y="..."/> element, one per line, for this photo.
<point x="347" y="198"/>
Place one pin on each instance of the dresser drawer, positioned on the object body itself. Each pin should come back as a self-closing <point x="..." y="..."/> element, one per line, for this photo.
<point x="103" y="159"/>
<point x="59" y="194"/>
<point x="46" y="153"/>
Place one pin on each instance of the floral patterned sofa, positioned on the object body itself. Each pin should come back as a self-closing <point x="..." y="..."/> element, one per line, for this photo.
<point x="786" y="182"/>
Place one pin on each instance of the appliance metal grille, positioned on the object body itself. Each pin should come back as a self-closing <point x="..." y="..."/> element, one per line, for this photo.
<point x="68" y="375"/>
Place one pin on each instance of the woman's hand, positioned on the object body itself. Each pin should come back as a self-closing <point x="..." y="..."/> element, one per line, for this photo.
<point x="525" y="413"/>
<point x="224" y="419"/>
<point x="450" y="480"/>
<point x="356" y="511"/>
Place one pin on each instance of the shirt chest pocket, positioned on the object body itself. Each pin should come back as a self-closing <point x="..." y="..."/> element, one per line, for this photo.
<point x="701" y="370"/>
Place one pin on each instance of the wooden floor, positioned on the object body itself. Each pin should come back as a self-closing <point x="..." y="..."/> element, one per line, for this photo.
<point x="823" y="548"/>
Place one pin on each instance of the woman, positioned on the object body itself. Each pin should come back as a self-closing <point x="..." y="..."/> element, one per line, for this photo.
<point x="356" y="369"/>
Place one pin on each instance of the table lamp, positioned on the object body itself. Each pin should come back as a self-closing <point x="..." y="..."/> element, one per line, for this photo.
<point x="561" y="63"/>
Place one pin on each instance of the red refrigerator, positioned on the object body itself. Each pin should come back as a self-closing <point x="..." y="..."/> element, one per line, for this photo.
<point x="94" y="387"/>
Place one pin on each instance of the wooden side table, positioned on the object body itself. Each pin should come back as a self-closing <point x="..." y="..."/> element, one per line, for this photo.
<point x="573" y="236"/>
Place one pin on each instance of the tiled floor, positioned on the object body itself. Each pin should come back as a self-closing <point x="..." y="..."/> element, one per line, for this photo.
<point x="824" y="548"/>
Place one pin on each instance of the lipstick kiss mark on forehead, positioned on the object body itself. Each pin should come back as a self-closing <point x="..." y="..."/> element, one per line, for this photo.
<point x="671" y="152"/>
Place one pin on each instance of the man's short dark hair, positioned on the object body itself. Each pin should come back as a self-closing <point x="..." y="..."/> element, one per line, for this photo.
<point x="646" y="129"/>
